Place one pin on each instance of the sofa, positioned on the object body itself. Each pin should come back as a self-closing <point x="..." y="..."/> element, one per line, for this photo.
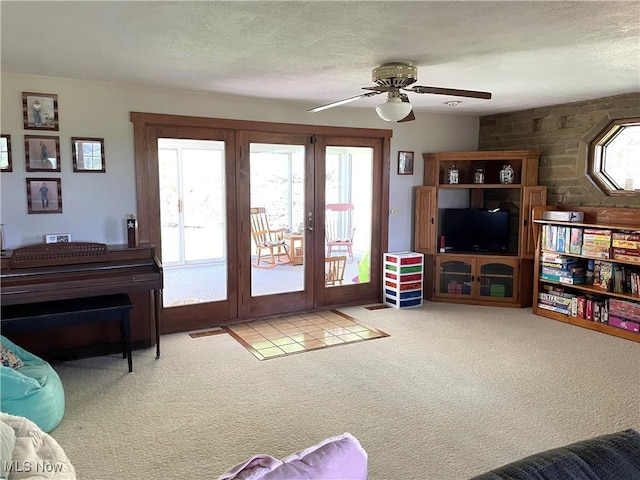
<point x="29" y="387"/>
<point x="340" y="457"/>
<point x="614" y="456"/>
<point x="608" y="457"/>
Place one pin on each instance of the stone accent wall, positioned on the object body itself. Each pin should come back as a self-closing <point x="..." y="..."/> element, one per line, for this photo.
<point x="562" y="134"/>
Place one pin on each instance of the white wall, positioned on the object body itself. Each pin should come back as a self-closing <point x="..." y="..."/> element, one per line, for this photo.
<point x="96" y="204"/>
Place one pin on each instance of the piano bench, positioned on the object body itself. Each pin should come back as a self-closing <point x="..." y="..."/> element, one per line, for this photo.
<point x="66" y="313"/>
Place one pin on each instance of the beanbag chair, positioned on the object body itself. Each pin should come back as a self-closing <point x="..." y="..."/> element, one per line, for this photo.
<point x="29" y="387"/>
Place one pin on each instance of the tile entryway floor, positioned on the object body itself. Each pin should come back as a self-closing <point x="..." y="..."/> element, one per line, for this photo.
<point x="277" y="337"/>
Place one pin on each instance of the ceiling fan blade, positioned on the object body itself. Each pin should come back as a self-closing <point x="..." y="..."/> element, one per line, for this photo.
<point x="405" y="98"/>
<point x="343" y="101"/>
<point x="449" y="91"/>
<point x="408" y="118"/>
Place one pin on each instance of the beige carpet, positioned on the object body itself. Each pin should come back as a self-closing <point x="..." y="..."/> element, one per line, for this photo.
<point x="453" y="391"/>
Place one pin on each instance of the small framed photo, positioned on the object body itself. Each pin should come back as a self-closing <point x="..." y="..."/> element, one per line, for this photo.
<point x="42" y="153"/>
<point x="405" y="163"/>
<point x="44" y="195"/>
<point x="39" y="111"/>
<point x="6" y="165"/>
<point x="88" y="154"/>
<point x="57" y="238"/>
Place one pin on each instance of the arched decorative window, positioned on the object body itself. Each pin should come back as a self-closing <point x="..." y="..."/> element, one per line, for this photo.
<point x="614" y="157"/>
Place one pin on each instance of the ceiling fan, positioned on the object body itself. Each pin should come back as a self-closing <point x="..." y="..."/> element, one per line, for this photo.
<point x="393" y="78"/>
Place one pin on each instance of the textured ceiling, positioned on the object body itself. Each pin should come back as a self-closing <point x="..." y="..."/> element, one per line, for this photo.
<point x="527" y="54"/>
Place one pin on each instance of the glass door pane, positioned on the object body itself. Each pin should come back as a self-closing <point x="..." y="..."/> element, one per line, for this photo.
<point x="348" y="200"/>
<point x="497" y="280"/>
<point x="193" y="220"/>
<point x="277" y="201"/>
<point x="455" y="277"/>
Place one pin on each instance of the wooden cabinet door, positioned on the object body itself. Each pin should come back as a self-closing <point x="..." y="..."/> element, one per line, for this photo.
<point x="497" y="279"/>
<point x="531" y="197"/>
<point x="454" y="277"/>
<point x="426" y="210"/>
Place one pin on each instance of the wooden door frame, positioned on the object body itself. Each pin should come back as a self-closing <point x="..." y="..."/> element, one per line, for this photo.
<point x="147" y="127"/>
<point x="370" y="292"/>
<point x="256" y="307"/>
<point x="187" y="317"/>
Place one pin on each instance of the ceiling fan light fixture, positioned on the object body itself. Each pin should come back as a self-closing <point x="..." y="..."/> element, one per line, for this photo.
<point x="394" y="109"/>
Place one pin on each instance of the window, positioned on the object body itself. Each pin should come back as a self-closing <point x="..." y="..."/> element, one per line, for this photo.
<point x="614" y="157"/>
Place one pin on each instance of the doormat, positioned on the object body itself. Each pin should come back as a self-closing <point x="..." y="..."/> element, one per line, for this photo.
<point x="282" y="336"/>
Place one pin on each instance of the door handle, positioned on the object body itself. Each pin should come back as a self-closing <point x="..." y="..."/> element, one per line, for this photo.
<point x="310" y="221"/>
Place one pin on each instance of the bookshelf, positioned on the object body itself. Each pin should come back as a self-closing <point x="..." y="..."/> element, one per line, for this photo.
<point x="597" y="284"/>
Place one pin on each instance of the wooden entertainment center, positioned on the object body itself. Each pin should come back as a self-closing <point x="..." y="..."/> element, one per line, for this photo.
<point x="479" y="277"/>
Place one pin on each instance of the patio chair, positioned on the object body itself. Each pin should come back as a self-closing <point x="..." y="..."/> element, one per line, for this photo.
<point x="334" y="270"/>
<point x="267" y="240"/>
<point x="339" y="228"/>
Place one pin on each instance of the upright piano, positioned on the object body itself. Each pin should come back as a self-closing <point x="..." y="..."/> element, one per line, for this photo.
<point x="44" y="272"/>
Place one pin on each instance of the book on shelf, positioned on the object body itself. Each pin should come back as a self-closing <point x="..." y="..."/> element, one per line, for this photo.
<point x="569" y="267"/>
<point x="629" y="325"/>
<point x="603" y="278"/>
<point x="626" y="239"/>
<point x="627" y="258"/>
<point x="624" y="309"/>
<point x="555" y="299"/>
<point x="561" y="279"/>
<point x="626" y="251"/>
<point x="596" y="252"/>
<point x="551" y="237"/>
<point x="556" y="257"/>
<point x="598" y="232"/>
<point x="631" y="244"/>
<point x="571" y="273"/>
<point x="582" y="307"/>
<point x="557" y="291"/>
<point x="600" y="311"/>
<point x="575" y="240"/>
<point x="560" y="306"/>
<point x="595" y="241"/>
<point x="561" y="242"/>
<point x="563" y="310"/>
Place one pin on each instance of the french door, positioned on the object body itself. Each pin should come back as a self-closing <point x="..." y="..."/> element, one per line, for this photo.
<point x="274" y="176"/>
<point x="192" y="181"/>
<point x="207" y="190"/>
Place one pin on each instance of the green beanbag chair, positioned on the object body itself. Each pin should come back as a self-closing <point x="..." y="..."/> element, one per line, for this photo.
<point x="29" y="387"/>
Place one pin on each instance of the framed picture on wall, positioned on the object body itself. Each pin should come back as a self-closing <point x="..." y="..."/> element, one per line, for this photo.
<point x="42" y="153"/>
<point x="405" y="163"/>
<point x="6" y="165"/>
<point x="44" y="195"/>
<point x="88" y="154"/>
<point x="39" y="111"/>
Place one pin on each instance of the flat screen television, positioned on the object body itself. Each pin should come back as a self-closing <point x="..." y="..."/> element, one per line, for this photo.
<point x="475" y="230"/>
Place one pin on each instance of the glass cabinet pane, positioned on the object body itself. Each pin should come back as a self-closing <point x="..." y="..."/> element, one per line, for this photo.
<point x="455" y="278"/>
<point x="496" y="280"/>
